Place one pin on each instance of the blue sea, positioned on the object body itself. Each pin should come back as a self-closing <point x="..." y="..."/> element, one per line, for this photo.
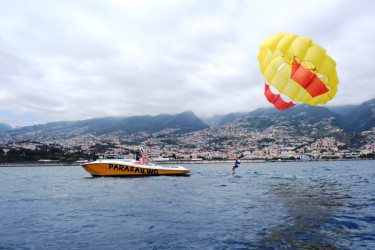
<point x="282" y="205"/>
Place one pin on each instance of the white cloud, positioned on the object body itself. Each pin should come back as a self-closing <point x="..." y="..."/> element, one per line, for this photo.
<point x="68" y="60"/>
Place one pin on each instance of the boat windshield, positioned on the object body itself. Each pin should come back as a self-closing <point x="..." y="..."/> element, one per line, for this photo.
<point x="118" y="156"/>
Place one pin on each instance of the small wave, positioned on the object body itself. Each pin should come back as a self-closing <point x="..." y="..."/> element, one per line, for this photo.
<point x="369" y="219"/>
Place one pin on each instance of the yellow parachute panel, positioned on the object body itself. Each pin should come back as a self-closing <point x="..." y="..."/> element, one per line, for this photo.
<point x="298" y="68"/>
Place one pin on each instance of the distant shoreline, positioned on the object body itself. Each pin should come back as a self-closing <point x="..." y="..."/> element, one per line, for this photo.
<point x="36" y="164"/>
<point x="170" y="162"/>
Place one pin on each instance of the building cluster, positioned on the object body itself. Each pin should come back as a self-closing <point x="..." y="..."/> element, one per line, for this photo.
<point x="214" y="143"/>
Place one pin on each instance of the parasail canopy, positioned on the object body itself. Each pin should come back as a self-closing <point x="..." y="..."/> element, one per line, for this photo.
<point x="296" y="70"/>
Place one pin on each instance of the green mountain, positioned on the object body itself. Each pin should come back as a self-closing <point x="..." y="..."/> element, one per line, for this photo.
<point x="218" y="120"/>
<point x="362" y="117"/>
<point x="180" y="123"/>
<point x="296" y="113"/>
<point x="342" y="110"/>
<point x="303" y="119"/>
<point x="351" y="118"/>
<point x="5" y="127"/>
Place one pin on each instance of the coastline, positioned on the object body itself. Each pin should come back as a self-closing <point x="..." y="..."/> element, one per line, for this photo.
<point x="36" y="164"/>
<point x="170" y="162"/>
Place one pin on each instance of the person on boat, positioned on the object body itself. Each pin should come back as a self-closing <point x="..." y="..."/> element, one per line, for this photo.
<point x="138" y="156"/>
<point x="236" y="164"/>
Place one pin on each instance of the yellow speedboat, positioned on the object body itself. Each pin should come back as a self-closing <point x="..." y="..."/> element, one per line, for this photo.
<point x="130" y="167"/>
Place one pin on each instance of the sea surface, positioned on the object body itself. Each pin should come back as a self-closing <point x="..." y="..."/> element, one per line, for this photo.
<point x="282" y="205"/>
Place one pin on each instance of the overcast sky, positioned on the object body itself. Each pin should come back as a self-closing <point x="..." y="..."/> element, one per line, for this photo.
<point x="74" y="60"/>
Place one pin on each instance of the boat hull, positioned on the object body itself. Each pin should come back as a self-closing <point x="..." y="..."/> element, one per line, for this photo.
<point x="116" y="169"/>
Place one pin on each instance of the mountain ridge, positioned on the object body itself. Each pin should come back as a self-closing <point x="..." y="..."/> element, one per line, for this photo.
<point x="181" y="123"/>
<point x="352" y="118"/>
<point x="349" y="118"/>
<point x="5" y="127"/>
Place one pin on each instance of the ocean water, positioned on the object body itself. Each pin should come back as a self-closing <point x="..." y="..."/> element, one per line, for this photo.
<point x="284" y="205"/>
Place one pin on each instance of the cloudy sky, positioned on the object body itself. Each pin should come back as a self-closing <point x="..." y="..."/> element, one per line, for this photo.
<point x="74" y="60"/>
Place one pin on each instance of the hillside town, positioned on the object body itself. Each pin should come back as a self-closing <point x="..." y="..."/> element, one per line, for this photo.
<point x="226" y="142"/>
